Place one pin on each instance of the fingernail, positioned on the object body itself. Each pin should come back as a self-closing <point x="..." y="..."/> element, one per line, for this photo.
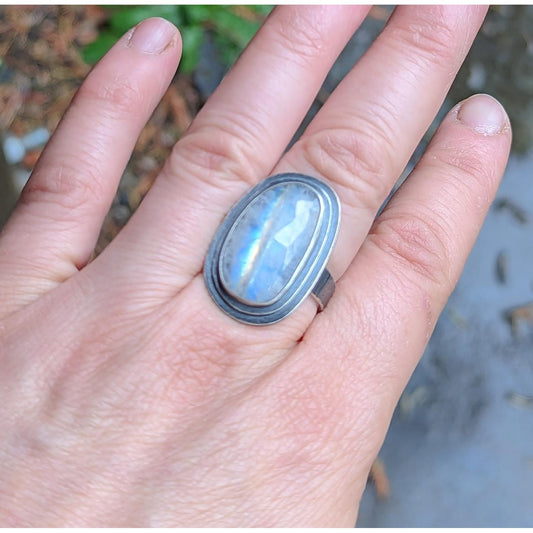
<point x="482" y="113"/>
<point x="152" y="36"/>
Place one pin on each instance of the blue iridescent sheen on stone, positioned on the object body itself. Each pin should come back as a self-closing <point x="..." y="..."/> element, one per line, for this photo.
<point x="268" y="242"/>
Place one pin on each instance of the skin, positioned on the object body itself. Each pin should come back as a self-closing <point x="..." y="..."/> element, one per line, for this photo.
<point x="127" y="397"/>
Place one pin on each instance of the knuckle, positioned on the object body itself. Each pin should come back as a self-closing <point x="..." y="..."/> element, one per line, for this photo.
<point x="299" y="35"/>
<point x="202" y="366"/>
<point x="358" y="161"/>
<point x="429" y="36"/>
<point x="187" y="377"/>
<point x="310" y="410"/>
<point x="119" y="95"/>
<point x="417" y="244"/>
<point x="214" y="345"/>
<point x="469" y="165"/>
<point x="212" y="151"/>
<point x="306" y="444"/>
<point x="71" y="184"/>
<point x="316" y="414"/>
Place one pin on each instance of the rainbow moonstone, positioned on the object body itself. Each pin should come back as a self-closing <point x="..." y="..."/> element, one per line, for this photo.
<point x="268" y="243"/>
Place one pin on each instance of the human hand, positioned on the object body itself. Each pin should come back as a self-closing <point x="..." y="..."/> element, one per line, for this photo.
<point x="128" y="397"/>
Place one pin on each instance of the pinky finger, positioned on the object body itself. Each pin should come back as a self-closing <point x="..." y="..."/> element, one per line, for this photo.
<point x="430" y="226"/>
<point x="417" y="248"/>
<point x="388" y="301"/>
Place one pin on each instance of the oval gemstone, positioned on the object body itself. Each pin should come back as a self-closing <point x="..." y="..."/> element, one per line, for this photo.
<point x="268" y="243"/>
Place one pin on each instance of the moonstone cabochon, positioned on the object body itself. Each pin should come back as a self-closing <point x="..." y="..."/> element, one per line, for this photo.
<point x="272" y="247"/>
<point x="265" y="247"/>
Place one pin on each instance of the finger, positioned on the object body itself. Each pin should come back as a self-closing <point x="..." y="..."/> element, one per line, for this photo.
<point x="362" y="138"/>
<point x="55" y="226"/>
<point x="234" y="141"/>
<point x="409" y="44"/>
<point x="361" y="352"/>
<point x="354" y="145"/>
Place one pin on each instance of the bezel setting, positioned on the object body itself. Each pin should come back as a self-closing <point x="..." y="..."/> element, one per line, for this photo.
<point x="309" y="269"/>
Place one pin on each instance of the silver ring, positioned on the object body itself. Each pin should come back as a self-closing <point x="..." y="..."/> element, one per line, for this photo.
<point x="270" y="252"/>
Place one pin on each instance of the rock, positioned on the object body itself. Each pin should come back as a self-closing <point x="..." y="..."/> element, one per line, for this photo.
<point x="14" y="150"/>
<point x="36" y="138"/>
<point x="210" y="70"/>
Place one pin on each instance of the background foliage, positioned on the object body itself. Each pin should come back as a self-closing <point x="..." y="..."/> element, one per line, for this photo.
<point x="231" y="26"/>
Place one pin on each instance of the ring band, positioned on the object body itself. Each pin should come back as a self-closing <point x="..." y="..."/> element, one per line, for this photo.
<point x="271" y="250"/>
<point x="323" y="290"/>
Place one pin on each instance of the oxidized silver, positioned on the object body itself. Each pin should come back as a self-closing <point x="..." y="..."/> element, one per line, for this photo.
<point x="310" y="275"/>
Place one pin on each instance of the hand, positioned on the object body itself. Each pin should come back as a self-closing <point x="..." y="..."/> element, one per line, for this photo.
<point x="128" y="397"/>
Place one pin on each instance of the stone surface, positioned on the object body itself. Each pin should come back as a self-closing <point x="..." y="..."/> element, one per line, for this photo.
<point x="13" y="150"/>
<point x="36" y="138"/>
<point x="268" y="242"/>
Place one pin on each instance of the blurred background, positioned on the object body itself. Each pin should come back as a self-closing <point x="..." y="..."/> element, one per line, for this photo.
<point x="459" y="451"/>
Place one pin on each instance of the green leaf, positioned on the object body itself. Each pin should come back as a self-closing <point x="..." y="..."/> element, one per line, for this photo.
<point x="261" y="10"/>
<point x="231" y="31"/>
<point x="192" y="37"/>
<point x="125" y="17"/>
<point x="240" y="31"/>
<point x="197" y="14"/>
<point x="95" y="50"/>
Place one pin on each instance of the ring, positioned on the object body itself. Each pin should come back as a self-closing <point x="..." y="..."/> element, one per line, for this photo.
<point x="270" y="252"/>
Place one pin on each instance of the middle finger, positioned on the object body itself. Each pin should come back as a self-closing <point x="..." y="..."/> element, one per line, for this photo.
<point x="363" y="137"/>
